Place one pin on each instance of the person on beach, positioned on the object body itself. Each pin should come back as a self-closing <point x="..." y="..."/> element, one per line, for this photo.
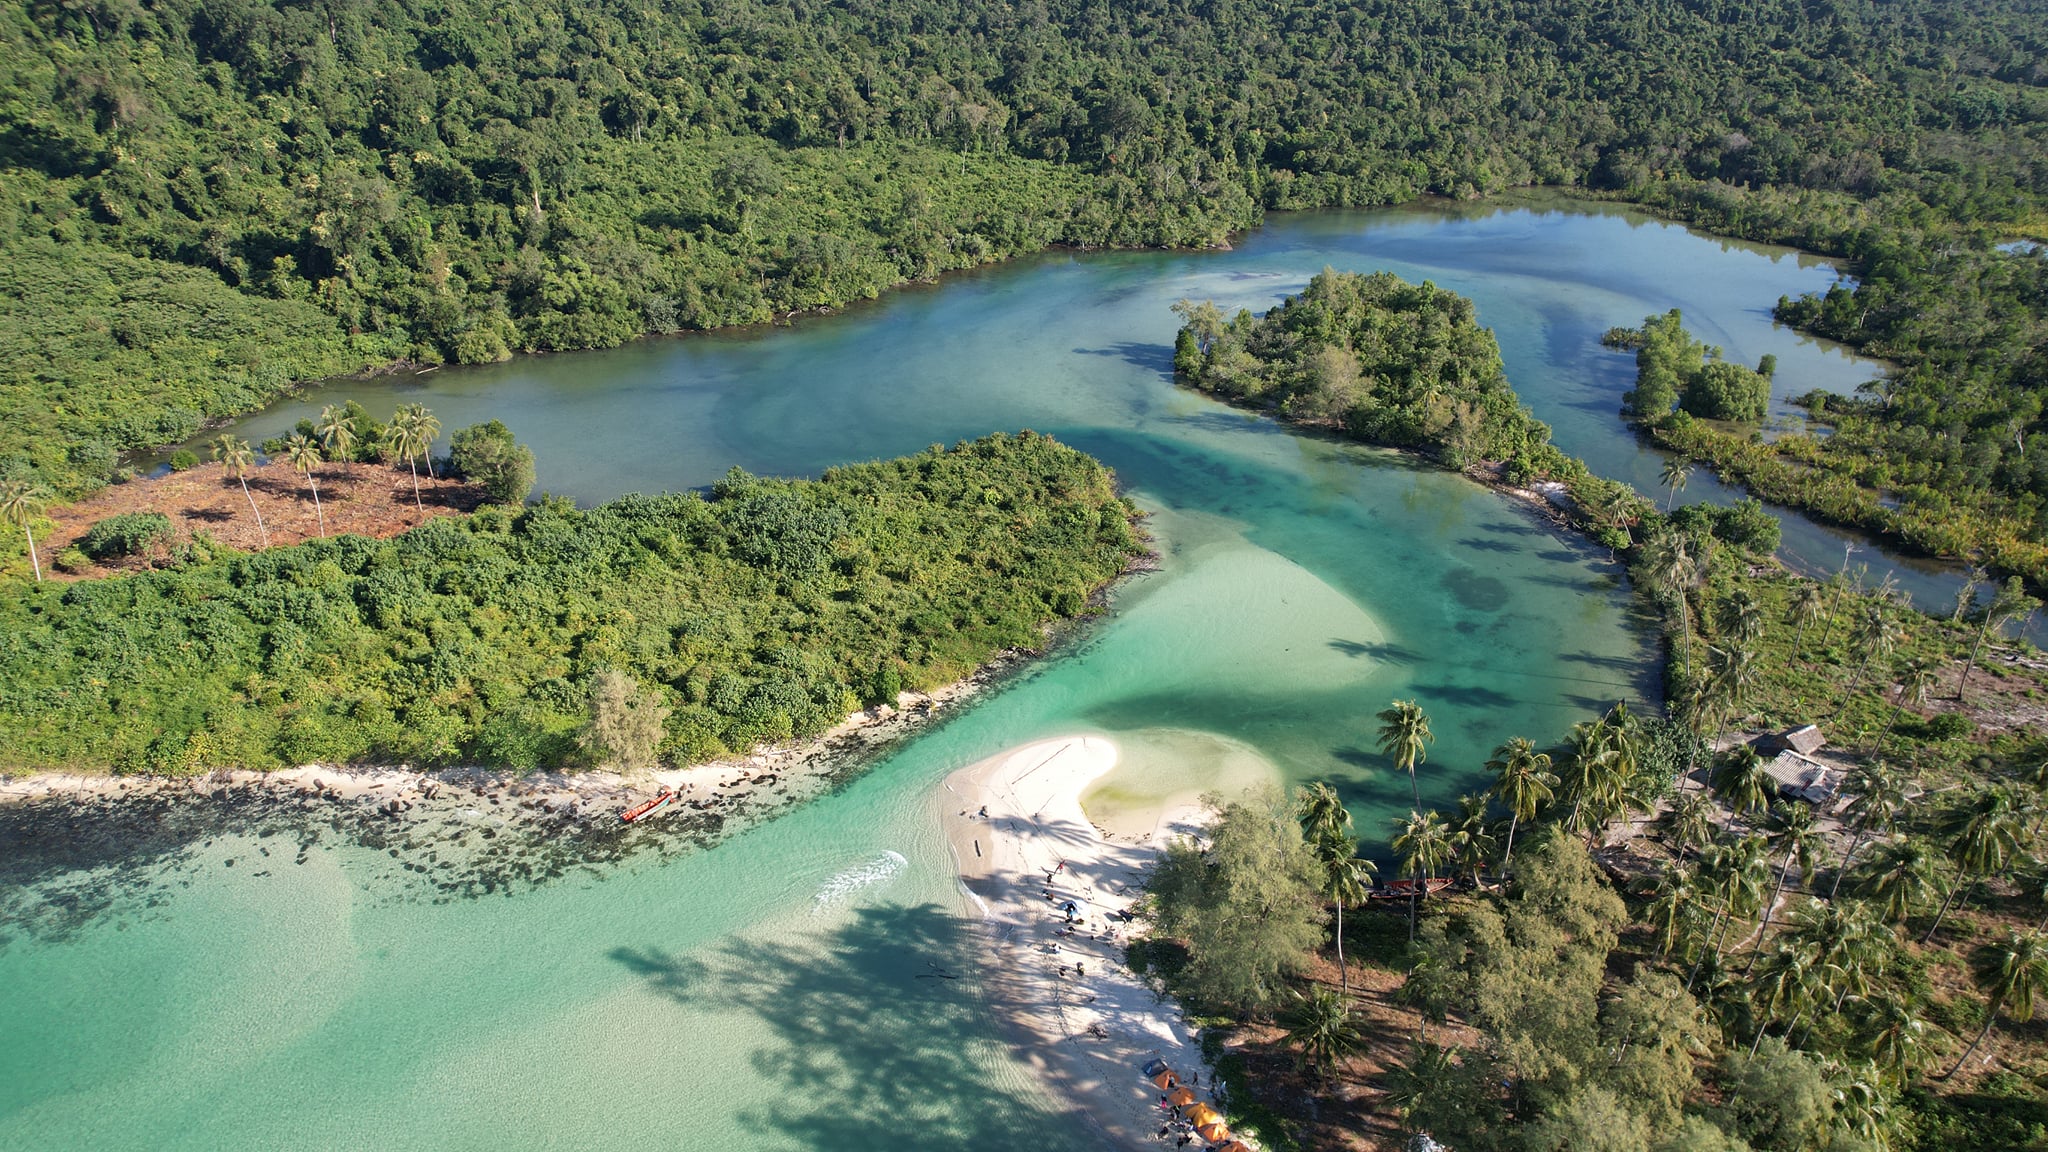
<point x="984" y="812"/>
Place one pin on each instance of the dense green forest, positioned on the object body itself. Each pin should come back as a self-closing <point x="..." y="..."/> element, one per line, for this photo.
<point x="770" y="610"/>
<point x="460" y="181"/>
<point x="1386" y="361"/>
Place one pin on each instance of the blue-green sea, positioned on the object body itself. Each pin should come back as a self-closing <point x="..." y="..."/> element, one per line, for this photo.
<point x="289" y="987"/>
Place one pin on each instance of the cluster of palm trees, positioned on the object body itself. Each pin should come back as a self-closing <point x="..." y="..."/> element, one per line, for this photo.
<point x="410" y="437"/>
<point x="1828" y="977"/>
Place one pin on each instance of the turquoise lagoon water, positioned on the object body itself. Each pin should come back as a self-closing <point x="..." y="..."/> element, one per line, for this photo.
<point x="790" y="987"/>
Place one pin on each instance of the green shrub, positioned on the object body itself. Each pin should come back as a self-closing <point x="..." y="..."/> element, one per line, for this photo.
<point x="1948" y="726"/>
<point x="488" y="456"/>
<point x="183" y="459"/>
<point x="73" y="561"/>
<point x="129" y="534"/>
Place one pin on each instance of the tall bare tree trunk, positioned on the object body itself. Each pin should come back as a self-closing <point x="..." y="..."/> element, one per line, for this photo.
<point x="265" y="532"/>
<point x="317" y="510"/>
<point x="32" y="557"/>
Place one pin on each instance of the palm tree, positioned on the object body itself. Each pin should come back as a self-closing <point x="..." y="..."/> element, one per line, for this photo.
<point x="1322" y="1027"/>
<point x="1322" y="813"/>
<point x="1405" y="736"/>
<point x="235" y="456"/>
<point x="1787" y="984"/>
<point x="405" y="440"/>
<point x="2009" y="601"/>
<point x="1676" y="472"/>
<point x="1472" y="837"/>
<point x="1916" y="680"/>
<point x="1732" y="674"/>
<point x="305" y="456"/>
<point x="337" y="433"/>
<point x="1736" y="874"/>
<point x="20" y="503"/>
<point x="1689" y="822"/>
<point x="426" y="429"/>
<point x="1879" y="796"/>
<point x="1524" y="782"/>
<point x="1807" y="606"/>
<point x="2015" y="975"/>
<point x="1901" y="875"/>
<point x="1674" y="896"/>
<point x="1792" y="828"/>
<point x="1346" y="878"/>
<point x="1743" y="783"/>
<point x="1890" y="1031"/>
<point x="1424" y="844"/>
<point x="1877" y="634"/>
<point x="1672" y="568"/>
<point x="1741" y="618"/>
<point x="1415" y="1086"/>
<point x="1987" y="835"/>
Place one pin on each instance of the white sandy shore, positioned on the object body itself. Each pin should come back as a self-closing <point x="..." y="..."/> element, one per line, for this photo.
<point x="1089" y="1035"/>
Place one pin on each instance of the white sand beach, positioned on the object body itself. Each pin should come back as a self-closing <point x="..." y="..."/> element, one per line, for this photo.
<point x="1083" y="1021"/>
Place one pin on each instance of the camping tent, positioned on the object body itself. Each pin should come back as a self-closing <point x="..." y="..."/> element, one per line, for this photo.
<point x="1201" y="1115"/>
<point x="1214" y="1133"/>
<point x="1166" y="1080"/>
<point x="1181" y="1097"/>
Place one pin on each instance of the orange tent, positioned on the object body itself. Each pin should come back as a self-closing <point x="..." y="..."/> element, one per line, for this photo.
<point x="1166" y="1080"/>
<point x="1181" y="1096"/>
<point x="1235" y="1146"/>
<point x="1213" y="1133"/>
<point x="1201" y="1116"/>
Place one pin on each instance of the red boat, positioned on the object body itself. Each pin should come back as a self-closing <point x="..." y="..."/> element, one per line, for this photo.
<point x="643" y="811"/>
<point x="1402" y="889"/>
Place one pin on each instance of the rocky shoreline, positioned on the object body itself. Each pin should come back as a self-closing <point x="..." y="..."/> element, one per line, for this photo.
<point x="74" y="849"/>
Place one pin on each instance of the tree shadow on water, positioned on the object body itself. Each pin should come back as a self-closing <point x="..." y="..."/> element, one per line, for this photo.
<point x="872" y="1023"/>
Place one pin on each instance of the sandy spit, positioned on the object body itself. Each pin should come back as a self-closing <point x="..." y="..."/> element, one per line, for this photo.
<point x="1085" y="1023"/>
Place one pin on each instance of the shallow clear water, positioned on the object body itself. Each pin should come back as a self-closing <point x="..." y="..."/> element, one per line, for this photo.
<point x="789" y="988"/>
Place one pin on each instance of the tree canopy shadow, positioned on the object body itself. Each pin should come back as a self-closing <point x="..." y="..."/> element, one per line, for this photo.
<point x="1377" y="650"/>
<point x="871" y="1021"/>
<point x="1158" y="357"/>
<point x="1482" y="544"/>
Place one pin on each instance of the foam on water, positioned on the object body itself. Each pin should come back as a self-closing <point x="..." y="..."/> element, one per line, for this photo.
<point x="843" y="885"/>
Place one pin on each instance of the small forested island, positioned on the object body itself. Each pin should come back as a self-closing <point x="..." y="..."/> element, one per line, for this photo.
<point x="770" y="610"/>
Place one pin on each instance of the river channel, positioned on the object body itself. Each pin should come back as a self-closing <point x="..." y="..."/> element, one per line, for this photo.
<point x="792" y="987"/>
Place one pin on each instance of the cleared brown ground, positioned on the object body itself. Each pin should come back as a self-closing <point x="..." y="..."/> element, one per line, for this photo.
<point x="364" y="499"/>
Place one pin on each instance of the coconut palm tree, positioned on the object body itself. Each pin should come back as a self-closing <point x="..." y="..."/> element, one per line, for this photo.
<point x="1405" y="738"/>
<point x="2014" y="975"/>
<point x="1879" y="794"/>
<point x="1524" y="782"/>
<point x="1732" y="674"/>
<point x="1472" y="838"/>
<point x="1322" y="813"/>
<point x="405" y="440"/>
<point x="1740" y="618"/>
<point x="426" y="429"/>
<point x="1916" y="680"/>
<point x="1986" y="836"/>
<point x="1421" y="1083"/>
<point x="1673" y="569"/>
<point x="1786" y="987"/>
<point x="2009" y="602"/>
<point x="305" y="456"/>
<point x="1674" y="898"/>
<point x="20" y="503"/>
<point x="1902" y="875"/>
<point x="1736" y="874"/>
<point x="1889" y="1030"/>
<point x="235" y="456"/>
<point x="1743" y="783"/>
<point x="337" y="432"/>
<point x="1322" y="1028"/>
<point x="1791" y="827"/>
<point x="1807" y="606"/>
<point x="1676" y="472"/>
<point x="1877" y="633"/>
<point x="1689" y="822"/>
<point x="1424" y="844"/>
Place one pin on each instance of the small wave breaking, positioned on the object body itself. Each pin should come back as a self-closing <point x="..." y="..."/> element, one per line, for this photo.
<point x="867" y="875"/>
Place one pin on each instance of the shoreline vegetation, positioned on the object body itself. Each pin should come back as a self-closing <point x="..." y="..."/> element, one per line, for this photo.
<point x="769" y="611"/>
<point x="1932" y="771"/>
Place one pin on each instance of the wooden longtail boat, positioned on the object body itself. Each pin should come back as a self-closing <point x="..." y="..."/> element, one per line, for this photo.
<point x="1402" y="889"/>
<point x="643" y="811"/>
